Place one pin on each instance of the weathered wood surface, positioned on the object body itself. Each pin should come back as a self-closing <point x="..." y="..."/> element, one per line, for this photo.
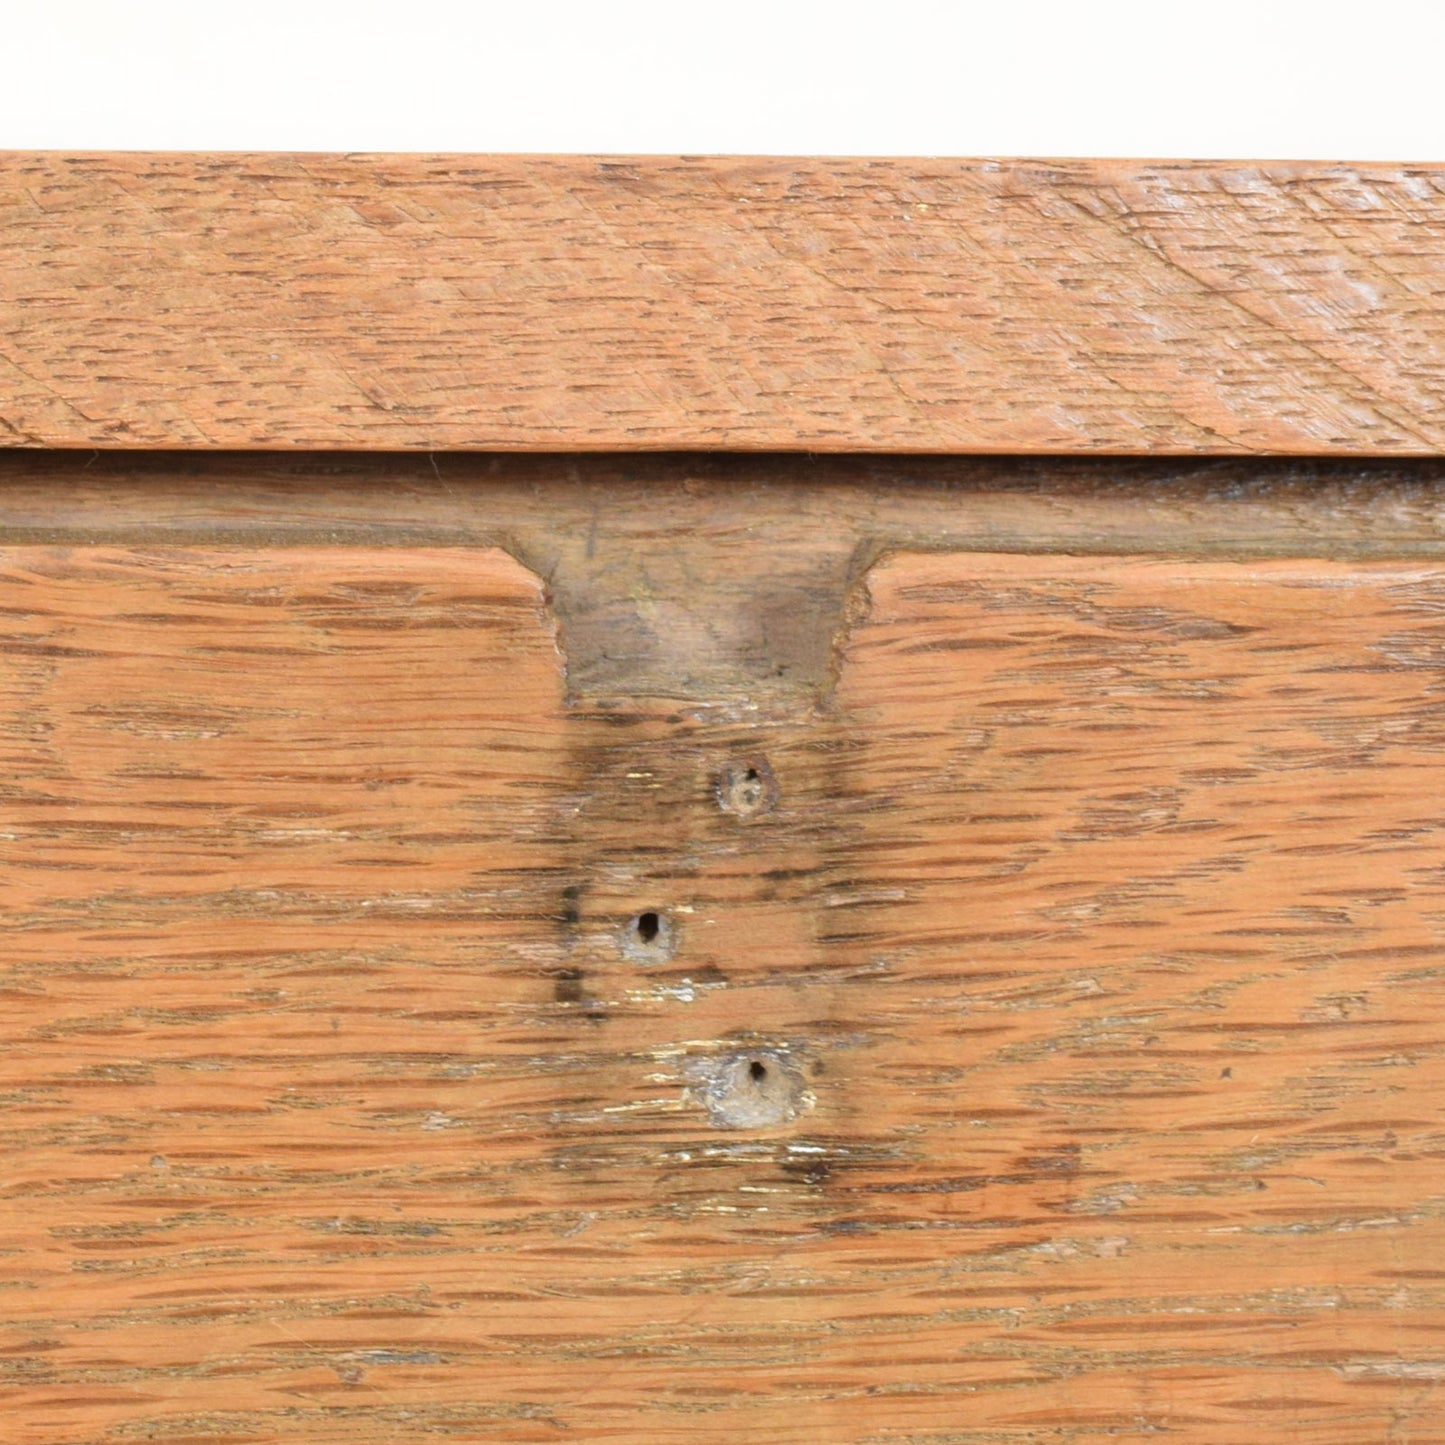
<point x="388" y="302"/>
<point x="1045" y="1042"/>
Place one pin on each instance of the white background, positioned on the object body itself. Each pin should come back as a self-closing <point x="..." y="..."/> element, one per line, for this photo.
<point x="1223" y="80"/>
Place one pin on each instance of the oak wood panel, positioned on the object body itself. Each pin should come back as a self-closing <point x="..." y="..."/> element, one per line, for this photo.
<point x="574" y="303"/>
<point x="1087" y="947"/>
<point x="1159" y="844"/>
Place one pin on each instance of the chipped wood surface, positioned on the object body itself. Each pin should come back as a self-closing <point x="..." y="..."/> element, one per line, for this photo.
<point x="534" y="303"/>
<point x="480" y="965"/>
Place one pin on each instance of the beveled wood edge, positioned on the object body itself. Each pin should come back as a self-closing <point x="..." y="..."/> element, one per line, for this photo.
<point x="572" y="304"/>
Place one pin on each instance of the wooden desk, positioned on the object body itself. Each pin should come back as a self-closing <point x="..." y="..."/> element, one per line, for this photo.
<point x="538" y="906"/>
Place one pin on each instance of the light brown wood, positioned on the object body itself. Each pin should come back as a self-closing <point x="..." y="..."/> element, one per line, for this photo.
<point x="1082" y="921"/>
<point x="385" y="302"/>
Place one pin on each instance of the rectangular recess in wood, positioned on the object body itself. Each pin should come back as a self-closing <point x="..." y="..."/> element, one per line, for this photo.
<point x="1089" y="951"/>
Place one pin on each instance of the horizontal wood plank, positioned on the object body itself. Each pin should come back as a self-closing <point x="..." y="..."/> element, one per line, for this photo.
<point x="1040" y="1034"/>
<point x="533" y="303"/>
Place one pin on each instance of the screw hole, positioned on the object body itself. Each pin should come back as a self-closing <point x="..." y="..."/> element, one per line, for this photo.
<point x="747" y="789"/>
<point x="649" y="937"/>
<point x="754" y="1089"/>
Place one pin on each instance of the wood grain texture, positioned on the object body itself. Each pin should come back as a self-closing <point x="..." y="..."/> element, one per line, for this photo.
<point x="433" y="302"/>
<point x="1088" y="947"/>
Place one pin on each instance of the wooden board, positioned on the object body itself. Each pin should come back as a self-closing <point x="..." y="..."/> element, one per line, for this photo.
<point x="431" y="302"/>
<point x="1043" y="1043"/>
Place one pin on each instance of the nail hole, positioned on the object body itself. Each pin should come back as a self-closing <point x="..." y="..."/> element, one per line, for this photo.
<point x="747" y="789"/>
<point x="649" y="937"/>
<point x="757" y="1071"/>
